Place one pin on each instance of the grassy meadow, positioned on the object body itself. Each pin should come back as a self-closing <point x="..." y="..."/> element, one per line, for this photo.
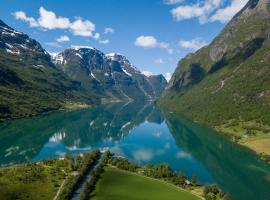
<point x="33" y="181"/>
<point x="117" y="184"/>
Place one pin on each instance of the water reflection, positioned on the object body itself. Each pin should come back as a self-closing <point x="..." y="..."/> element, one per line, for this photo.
<point x="138" y="131"/>
<point x="234" y="168"/>
<point x="22" y="140"/>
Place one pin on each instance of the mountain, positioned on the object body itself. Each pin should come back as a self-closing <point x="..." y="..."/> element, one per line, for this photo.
<point x="33" y="82"/>
<point x="30" y="83"/>
<point x="111" y="76"/>
<point x="226" y="84"/>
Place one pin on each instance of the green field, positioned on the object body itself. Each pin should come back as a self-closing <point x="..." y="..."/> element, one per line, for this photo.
<point x="33" y="181"/>
<point x="117" y="184"/>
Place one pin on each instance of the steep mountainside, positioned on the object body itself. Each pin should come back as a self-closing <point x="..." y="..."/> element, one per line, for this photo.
<point x="29" y="82"/>
<point x="226" y="84"/>
<point x="111" y="76"/>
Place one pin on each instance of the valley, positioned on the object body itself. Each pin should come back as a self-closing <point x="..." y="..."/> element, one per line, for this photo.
<point x="80" y="76"/>
<point x="79" y="121"/>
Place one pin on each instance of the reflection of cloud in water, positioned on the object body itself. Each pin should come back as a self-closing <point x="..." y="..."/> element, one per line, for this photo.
<point x="160" y="152"/>
<point x="117" y="151"/>
<point x="167" y="146"/>
<point x="143" y="155"/>
<point x="157" y="134"/>
<point x="76" y="148"/>
<point x="182" y="154"/>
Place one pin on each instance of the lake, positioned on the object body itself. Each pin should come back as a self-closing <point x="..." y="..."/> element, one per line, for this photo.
<point x="144" y="134"/>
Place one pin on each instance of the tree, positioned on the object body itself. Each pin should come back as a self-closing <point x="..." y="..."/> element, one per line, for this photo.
<point x="210" y="192"/>
<point x="227" y="196"/>
<point x="194" y="180"/>
<point x="181" y="178"/>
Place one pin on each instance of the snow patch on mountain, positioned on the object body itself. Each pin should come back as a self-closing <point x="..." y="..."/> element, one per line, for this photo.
<point x="80" y="47"/>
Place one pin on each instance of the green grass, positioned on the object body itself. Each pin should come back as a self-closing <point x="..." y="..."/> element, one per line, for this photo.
<point x="32" y="181"/>
<point x="117" y="184"/>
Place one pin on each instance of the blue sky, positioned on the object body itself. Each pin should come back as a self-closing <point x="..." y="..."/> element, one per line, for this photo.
<point x="152" y="34"/>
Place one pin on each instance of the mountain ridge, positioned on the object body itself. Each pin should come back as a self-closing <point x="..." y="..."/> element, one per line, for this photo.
<point x="111" y="73"/>
<point x="33" y="82"/>
<point x="225" y="84"/>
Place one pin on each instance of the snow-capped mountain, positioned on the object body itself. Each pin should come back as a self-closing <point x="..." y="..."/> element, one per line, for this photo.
<point x="30" y="83"/>
<point x="112" y="73"/>
<point x="18" y="43"/>
<point x="34" y="81"/>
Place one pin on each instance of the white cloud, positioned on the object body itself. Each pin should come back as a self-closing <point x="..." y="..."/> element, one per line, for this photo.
<point x="147" y="73"/>
<point x="199" y="10"/>
<point x="208" y="10"/>
<point x="168" y="76"/>
<point x="146" y="42"/>
<point x="63" y="38"/>
<point x="48" y="20"/>
<point x="20" y="15"/>
<point x="193" y="44"/>
<point x="149" y="42"/>
<point x="104" y="41"/>
<point x="96" y="36"/>
<point x="171" y="2"/>
<point x="159" y="61"/>
<point x="82" y="28"/>
<point x="225" y="14"/>
<point x="108" y="30"/>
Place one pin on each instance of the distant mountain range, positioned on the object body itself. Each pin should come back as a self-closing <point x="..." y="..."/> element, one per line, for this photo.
<point x="227" y="83"/>
<point x="110" y="75"/>
<point x="32" y="81"/>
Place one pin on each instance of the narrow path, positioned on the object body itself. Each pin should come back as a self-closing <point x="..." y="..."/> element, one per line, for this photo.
<point x="60" y="188"/>
<point x="76" y="194"/>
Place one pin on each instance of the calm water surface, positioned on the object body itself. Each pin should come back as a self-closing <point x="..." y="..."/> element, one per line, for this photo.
<point x="142" y="133"/>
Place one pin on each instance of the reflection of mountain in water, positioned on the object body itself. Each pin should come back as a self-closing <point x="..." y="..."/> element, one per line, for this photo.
<point x="110" y="123"/>
<point x="21" y="140"/>
<point x="234" y="168"/>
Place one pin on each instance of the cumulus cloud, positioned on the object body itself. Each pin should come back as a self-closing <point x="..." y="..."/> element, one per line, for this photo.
<point x="171" y="2"/>
<point x="20" y="15"/>
<point x="48" y="20"/>
<point x="200" y="10"/>
<point x="159" y="61"/>
<point x="208" y="10"/>
<point x="146" y="41"/>
<point x="63" y="38"/>
<point x="96" y="36"/>
<point x="82" y="28"/>
<point x="168" y="76"/>
<point x="108" y="30"/>
<point x="104" y="41"/>
<point x="149" y="42"/>
<point x="225" y="14"/>
<point x="193" y="44"/>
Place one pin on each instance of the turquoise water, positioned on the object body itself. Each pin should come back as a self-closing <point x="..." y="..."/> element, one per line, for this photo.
<point x="142" y="133"/>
